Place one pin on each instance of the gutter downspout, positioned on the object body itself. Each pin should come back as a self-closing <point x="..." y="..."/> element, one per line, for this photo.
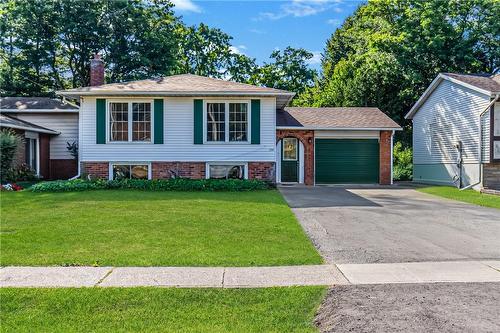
<point x="493" y="101"/>
<point x="392" y="157"/>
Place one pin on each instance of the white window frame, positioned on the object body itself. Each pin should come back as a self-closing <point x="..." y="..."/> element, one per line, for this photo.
<point x="35" y="136"/>
<point x="208" y="164"/>
<point x="110" y="173"/>
<point x="130" y="120"/>
<point x="226" y="122"/>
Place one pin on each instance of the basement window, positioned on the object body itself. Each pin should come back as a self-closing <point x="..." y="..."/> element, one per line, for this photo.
<point x="130" y="171"/>
<point x="226" y="171"/>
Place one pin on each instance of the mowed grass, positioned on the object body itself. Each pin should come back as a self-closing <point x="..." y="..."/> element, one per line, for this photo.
<point x="469" y="196"/>
<point x="136" y="228"/>
<point x="160" y="310"/>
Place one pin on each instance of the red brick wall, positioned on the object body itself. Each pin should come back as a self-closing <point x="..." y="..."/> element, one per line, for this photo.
<point x="162" y="170"/>
<point x="95" y="169"/>
<point x="307" y="139"/>
<point x="96" y="71"/>
<point x="262" y="171"/>
<point x="63" y="169"/>
<point x="385" y="157"/>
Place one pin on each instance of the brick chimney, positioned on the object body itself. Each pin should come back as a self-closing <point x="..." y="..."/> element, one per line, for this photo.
<point x="96" y="71"/>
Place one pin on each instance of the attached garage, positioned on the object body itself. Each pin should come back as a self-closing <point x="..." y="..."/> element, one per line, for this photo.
<point x="346" y="161"/>
<point x="347" y="145"/>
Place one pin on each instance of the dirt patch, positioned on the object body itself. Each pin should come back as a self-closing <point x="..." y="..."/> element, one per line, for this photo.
<point x="439" y="307"/>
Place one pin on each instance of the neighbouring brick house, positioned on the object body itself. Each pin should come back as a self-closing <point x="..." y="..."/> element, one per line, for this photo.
<point x="456" y="132"/>
<point x="46" y="125"/>
<point x="199" y="127"/>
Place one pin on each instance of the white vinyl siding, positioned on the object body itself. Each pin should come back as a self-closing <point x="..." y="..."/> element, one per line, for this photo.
<point x="178" y="137"/>
<point x="66" y="123"/>
<point x="450" y="114"/>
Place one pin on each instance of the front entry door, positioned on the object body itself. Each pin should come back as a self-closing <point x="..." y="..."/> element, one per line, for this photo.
<point x="290" y="161"/>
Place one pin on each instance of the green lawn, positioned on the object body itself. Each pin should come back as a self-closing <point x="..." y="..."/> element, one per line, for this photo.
<point x="160" y="310"/>
<point x="136" y="228"/>
<point x="469" y="196"/>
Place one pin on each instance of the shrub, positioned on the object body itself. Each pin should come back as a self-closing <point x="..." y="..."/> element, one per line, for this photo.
<point x="403" y="167"/>
<point x="21" y="173"/>
<point x="178" y="184"/>
<point x="9" y="144"/>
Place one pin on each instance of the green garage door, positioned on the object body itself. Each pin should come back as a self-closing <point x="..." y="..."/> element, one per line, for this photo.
<point x="347" y="161"/>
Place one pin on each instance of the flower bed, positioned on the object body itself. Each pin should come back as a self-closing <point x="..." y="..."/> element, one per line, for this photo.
<point x="178" y="184"/>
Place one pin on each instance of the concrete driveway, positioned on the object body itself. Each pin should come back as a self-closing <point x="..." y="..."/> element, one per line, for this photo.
<point x="393" y="224"/>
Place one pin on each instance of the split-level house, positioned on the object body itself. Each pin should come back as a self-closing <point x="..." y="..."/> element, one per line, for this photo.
<point x="198" y="127"/>
<point x="456" y="132"/>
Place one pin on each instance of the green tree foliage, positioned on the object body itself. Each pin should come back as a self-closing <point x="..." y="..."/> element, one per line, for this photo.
<point x="388" y="52"/>
<point x="288" y="70"/>
<point x="47" y="45"/>
<point x="403" y="167"/>
<point x="9" y="144"/>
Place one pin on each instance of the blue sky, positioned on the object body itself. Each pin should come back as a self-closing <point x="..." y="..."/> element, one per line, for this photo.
<point x="259" y="27"/>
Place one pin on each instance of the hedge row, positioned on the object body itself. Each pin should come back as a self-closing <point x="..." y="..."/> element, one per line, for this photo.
<point x="178" y="184"/>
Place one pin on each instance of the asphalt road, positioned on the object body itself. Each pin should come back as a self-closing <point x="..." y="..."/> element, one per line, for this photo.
<point x="433" y="307"/>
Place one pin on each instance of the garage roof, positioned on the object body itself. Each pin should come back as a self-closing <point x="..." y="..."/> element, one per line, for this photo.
<point x="350" y="118"/>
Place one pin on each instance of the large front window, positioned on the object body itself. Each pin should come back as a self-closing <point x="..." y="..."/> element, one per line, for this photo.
<point x="227" y="122"/>
<point x="130" y="121"/>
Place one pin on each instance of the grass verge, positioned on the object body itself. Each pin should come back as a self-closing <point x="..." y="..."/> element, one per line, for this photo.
<point x="160" y="310"/>
<point x="469" y="196"/>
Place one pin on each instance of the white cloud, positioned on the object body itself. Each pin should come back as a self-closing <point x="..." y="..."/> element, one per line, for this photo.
<point x="334" y="22"/>
<point x="316" y="58"/>
<point x="186" y="5"/>
<point x="301" y="8"/>
<point x="258" y="31"/>
<point x="237" y="49"/>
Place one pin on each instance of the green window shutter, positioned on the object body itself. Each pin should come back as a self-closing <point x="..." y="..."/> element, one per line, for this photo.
<point x="255" y="121"/>
<point x="100" y="119"/>
<point x="158" y="121"/>
<point x="198" y="121"/>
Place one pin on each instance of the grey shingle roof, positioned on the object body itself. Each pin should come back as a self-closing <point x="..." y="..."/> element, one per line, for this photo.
<point x="334" y="117"/>
<point x="182" y="84"/>
<point x="12" y="122"/>
<point x="483" y="81"/>
<point x="34" y="103"/>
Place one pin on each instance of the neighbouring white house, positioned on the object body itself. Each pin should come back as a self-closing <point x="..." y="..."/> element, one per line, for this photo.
<point x="46" y="125"/>
<point x="199" y="127"/>
<point x="456" y="132"/>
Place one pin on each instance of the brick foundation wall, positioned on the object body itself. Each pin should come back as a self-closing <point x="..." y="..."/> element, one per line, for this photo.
<point x="95" y="169"/>
<point x="63" y="169"/>
<point x="491" y="176"/>
<point x="385" y="158"/>
<point x="307" y="139"/>
<point x="165" y="170"/>
<point x="262" y="171"/>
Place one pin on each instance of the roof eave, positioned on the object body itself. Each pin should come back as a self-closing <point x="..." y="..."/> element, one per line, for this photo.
<point x="40" y="110"/>
<point x="31" y="129"/>
<point x="434" y="85"/>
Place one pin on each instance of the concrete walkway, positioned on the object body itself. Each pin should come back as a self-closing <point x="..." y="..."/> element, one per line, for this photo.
<point x="249" y="277"/>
